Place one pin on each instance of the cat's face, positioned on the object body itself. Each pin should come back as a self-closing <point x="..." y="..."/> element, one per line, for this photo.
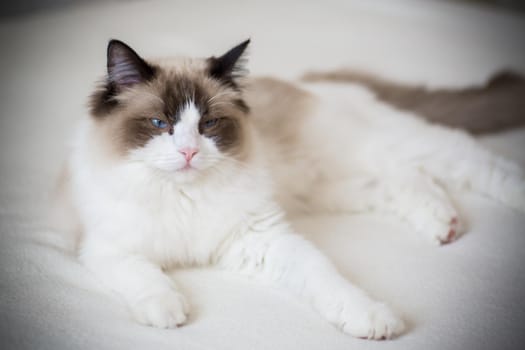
<point x="183" y="118"/>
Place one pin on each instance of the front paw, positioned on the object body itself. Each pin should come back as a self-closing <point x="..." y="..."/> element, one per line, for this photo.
<point x="163" y="310"/>
<point x="374" y="321"/>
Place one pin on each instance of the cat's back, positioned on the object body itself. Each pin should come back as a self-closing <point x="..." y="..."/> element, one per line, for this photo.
<point x="312" y="133"/>
<point x="277" y="106"/>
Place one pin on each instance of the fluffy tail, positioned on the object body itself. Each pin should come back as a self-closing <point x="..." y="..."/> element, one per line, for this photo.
<point x="497" y="105"/>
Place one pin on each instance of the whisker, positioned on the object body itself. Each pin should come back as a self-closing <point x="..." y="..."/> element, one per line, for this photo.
<point x="218" y="95"/>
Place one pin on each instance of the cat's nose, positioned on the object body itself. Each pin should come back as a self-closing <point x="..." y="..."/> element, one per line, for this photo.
<point x="189" y="153"/>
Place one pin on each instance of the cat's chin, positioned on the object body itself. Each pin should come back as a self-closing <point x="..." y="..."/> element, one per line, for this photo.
<point x="185" y="174"/>
<point x="178" y="173"/>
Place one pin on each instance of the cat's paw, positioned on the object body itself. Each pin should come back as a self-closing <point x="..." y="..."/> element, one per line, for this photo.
<point x="429" y="210"/>
<point x="164" y="310"/>
<point x="445" y="230"/>
<point x="376" y="321"/>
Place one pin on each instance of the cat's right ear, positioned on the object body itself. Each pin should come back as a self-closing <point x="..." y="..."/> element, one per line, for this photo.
<point x="125" y="67"/>
<point x="230" y="66"/>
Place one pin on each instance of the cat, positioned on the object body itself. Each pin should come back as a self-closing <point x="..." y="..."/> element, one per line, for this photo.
<point x="188" y="162"/>
<point x="495" y="106"/>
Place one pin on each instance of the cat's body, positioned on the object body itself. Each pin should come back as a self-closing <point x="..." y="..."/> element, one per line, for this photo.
<point x="375" y="152"/>
<point x="494" y="106"/>
<point x="211" y="183"/>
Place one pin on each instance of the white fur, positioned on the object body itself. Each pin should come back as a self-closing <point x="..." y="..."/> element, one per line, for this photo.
<point x="371" y="157"/>
<point x="186" y="133"/>
<point x="164" y="152"/>
<point x="144" y="213"/>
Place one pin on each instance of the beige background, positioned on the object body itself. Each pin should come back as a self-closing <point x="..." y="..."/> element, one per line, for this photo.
<point x="464" y="296"/>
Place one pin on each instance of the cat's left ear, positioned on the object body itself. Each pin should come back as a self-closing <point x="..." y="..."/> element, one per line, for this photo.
<point x="229" y="66"/>
<point x="125" y="67"/>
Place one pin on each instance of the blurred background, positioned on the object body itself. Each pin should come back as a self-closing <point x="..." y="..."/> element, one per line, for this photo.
<point x="468" y="295"/>
<point x="11" y="8"/>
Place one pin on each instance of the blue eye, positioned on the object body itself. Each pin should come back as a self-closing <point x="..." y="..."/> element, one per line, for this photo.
<point x="159" y="123"/>
<point x="210" y="123"/>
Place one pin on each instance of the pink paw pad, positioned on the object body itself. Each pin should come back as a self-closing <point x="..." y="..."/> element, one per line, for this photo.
<point x="452" y="232"/>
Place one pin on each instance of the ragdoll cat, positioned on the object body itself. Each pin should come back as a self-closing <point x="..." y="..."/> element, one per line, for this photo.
<point x="494" y="106"/>
<point x="187" y="162"/>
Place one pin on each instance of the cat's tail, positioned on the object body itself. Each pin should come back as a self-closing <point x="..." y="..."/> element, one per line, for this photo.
<point x="497" y="105"/>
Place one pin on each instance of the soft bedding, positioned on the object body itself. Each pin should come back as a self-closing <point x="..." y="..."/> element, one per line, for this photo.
<point x="466" y="295"/>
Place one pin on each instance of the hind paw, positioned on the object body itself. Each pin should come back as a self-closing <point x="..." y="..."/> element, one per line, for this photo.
<point x="453" y="232"/>
<point x="441" y="230"/>
<point x="431" y="213"/>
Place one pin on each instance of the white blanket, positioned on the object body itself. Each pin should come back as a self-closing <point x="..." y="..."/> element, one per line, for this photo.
<point x="467" y="295"/>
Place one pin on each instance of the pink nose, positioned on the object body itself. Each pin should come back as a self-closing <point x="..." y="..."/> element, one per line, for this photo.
<point x="189" y="153"/>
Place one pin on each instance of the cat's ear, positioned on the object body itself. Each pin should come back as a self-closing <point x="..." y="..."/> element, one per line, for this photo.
<point x="229" y="66"/>
<point x="125" y="67"/>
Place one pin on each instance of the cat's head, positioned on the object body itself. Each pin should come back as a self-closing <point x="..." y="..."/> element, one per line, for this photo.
<point x="182" y="117"/>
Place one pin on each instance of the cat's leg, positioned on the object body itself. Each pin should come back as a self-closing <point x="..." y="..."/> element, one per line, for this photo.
<point x="462" y="163"/>
<point x="452" y="157"/>
<point x="412" y="196"/>
<point x="383" y="140"/>
<point x="151" y="296"/>
<point x="419" y="162"/>
<point x="272" y="252"/>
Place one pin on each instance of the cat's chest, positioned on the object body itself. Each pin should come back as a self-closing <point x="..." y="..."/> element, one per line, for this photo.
<point x="188" y="227"/>
<point x="185" y="212"/>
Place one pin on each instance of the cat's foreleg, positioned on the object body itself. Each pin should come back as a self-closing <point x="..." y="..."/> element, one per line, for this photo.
<point x="271" y="251"/>
<point x="151" y="296"/>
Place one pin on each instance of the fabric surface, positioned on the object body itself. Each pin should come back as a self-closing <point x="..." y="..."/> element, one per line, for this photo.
<point x="467" y="295"/>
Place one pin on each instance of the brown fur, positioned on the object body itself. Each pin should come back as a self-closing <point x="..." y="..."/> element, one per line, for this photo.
<point x="497" y="105"/>
<point x="278" y="107"/>
<point x="125" y="118"/>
